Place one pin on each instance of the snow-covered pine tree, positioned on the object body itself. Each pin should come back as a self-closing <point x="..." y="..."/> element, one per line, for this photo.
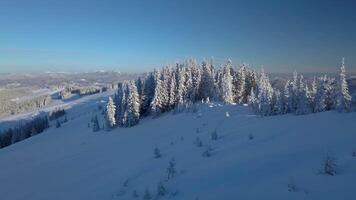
<point x="110" y="113"/>
<point x="240" y="96"/>
<point x="277" y="103"/>
<point x="219" y="85"/>
<point x="148" y="94"/>
<point x="343" y="103"/>
<point x="196" y="79"/>
<point x="252" y="100"/>
<point x="330" y="87"/>
<point x="189" y="89"/>
<point x="158" y="104"/>
<point x="207" y="81"/>
<point x="287" y="97"/>
<point x="226" y="84"/>
<point x="140" y="86"/>
<point x="119" y="101"/>
<point x="313" y="94"/>
<point x="303" y="102"/>
<point x="182" y="87"/>
<point x="294" y="93"/>
<point x="173" y="90"/>
<point x="320" y="104"/>
<point x="133" y="105"/>
<point x="250" y="80"/>
<point x="264" y="95"/>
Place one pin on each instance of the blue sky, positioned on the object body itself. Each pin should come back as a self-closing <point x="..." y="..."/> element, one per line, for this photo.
<point x="138" y="35"/>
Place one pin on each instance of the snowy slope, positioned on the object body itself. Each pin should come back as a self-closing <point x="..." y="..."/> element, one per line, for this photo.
<point x="73" y="162"/>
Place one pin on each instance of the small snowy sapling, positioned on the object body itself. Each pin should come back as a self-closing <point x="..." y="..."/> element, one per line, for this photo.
<point x="161" y="189"/>
<point x="292" y="186"/>
<point x="157" y="153"/>
<point x="171" y="171"/>
<point x="329" y="166"/>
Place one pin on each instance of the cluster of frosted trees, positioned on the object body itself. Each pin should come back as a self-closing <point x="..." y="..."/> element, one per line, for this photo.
<point x="24" y="130"/>
<point x="13" y="107"/>
<point x="324" y="93"/>
<point x="177" y="87"/>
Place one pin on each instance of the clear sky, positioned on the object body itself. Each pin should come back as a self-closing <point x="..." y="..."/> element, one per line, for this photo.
<point x="138" y="35"/>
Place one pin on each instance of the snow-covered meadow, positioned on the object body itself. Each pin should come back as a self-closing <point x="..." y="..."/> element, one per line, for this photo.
<point x="276" y="157"/>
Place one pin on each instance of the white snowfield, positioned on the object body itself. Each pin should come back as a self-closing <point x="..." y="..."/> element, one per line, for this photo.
<point x="74" y="163"/>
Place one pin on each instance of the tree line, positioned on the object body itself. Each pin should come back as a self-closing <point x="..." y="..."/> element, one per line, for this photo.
<point x="24" y="130"/>
<point x="178" y="87"/>
<point x="13" y="107"/>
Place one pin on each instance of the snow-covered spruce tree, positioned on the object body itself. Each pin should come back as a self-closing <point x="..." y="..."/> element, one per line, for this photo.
<point x="120" y="102"/>
<point x="132" y="112"/>
<point x="190" y="85"/>
<point x="264" y="95"/>
<point x="313" y="94"/>
<point x="139" y="82"/>
<point x="173" y="90"/>
<point x="295" y="92"/>
<point x="148" y="94"/>
<point x="226" y="84"/>
<point x="182" y="87"/>
<point x="288" y="97"/>
<point x="252" y="100"/>
<point x="303" y="102"/>
<point x="330" y="93"/>
<point x="207" y="81"/>
<point x="159" y="102"/>
<point x="110" y="113"/>
<point x="277" y="103"/>
<point x="250" y="82"/>
<point x="320" y="104"/>
<point x="240" y="96"/>
<point x="196" y="79"/>
<point x="343" y="102"/>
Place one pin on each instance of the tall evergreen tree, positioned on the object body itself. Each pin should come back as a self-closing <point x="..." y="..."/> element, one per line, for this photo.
<point x="207" y="81"/>
<point x="241" y="87"/>
<point x="148" y="94"/>
<point x="110" y="113"/>
<point x="226" y="84"/>
<point x="158" y="104"/>
<point x="313" y="94"/>
<point x="343" y="103"/>
<point x="303" y="103"/>
<point x="132" y="112"/>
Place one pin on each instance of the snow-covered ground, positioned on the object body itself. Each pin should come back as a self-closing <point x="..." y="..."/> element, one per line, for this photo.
<point x="72" y="162"/>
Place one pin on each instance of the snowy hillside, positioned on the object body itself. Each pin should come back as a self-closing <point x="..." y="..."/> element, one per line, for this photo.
<point x="253" y="157"/>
